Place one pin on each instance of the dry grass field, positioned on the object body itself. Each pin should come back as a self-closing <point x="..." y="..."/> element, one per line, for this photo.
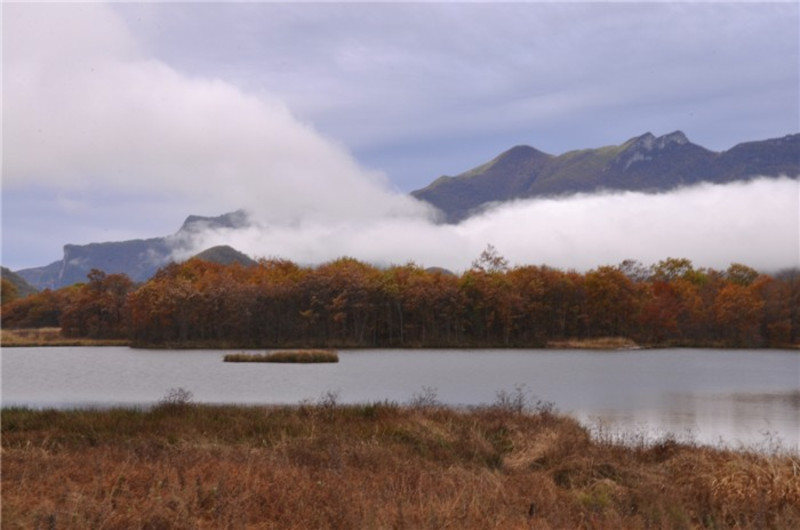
<point x="379" y="466"/>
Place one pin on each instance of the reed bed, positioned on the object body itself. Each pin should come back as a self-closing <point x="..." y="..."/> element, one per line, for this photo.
<point x="372" y="466"/>
<point x="284" y="356"/>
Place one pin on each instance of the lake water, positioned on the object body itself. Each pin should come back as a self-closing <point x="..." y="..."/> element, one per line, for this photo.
<point x="721" y="397"/>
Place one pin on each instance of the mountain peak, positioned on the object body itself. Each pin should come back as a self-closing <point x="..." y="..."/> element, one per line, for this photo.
<point x="676" y="137"/>
<point x="198" y="223"/>
<point x="649" y="142"/>
<point x="645" y="141"/>
<point x="644" y="148"/>
<point x="522" y="150"/>
<point x="225" y="255"/>
<point x="520" y="155"/>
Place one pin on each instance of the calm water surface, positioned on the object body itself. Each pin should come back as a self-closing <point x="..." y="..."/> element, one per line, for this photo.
<point x="726" y="397"/>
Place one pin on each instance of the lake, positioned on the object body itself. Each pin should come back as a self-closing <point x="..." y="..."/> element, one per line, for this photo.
<point x="720" y="397"/>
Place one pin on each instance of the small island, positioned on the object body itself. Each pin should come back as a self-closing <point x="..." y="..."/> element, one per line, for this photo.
<point x="285" y="356"/>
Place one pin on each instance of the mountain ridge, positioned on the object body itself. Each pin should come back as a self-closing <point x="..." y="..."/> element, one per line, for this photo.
<point x="645" y="163"/>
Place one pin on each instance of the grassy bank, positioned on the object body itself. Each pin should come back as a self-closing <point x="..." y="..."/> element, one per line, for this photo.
<point x="374" y="466"/>
<point x="285" y="356"/>
<point x="50" y="337"/>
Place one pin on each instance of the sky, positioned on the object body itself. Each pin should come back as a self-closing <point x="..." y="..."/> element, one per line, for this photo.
<point x="121" y="119"/>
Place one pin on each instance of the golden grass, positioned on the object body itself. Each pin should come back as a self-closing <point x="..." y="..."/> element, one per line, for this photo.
<point x="600" y="343"/>
<point x="372" y="467"/>
<point x="284" y="356"/>
<point x="50" y="337"/>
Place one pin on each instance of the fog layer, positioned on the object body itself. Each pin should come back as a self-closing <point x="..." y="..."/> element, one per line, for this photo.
<point x="756" y="223"/>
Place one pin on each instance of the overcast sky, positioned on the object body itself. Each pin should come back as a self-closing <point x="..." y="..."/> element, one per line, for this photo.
<point x="120" y="120"/>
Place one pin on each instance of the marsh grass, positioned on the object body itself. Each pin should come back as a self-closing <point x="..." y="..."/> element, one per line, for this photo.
<point x="284" y="356"/>
<point x="49" y="337"/>
<point x="600" y="343"/>
<point x="379" y="465"/>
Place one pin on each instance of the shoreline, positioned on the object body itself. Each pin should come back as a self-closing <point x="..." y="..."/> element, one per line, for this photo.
<point x="44" y="337"/>
<point x="118" y="343"/>
<point x="50" y="337"/>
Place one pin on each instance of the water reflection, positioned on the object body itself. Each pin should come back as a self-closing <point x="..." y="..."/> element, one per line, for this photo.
<point x="764" y="421"/>
<point x="710" y="396"/>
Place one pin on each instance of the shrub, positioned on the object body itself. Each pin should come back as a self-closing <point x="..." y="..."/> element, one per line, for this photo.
<point x="176" y="399"/>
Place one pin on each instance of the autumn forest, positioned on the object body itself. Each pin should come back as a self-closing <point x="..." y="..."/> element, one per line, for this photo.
<point x="348" y="303"/>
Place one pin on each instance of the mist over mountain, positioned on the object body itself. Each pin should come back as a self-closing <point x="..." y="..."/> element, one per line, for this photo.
<point x="226" y="255"/>
<point x="580" y="209"/>
<point x="138" y="258"/>
<point x="645" y="163"/>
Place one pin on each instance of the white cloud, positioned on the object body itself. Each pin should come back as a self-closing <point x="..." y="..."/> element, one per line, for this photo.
<point x="756" y="223"/>
<point x="84" y="108"/>
<point x="90" y="112"/>
<point x="425" y="89"/>
<point x="425" y="69"/>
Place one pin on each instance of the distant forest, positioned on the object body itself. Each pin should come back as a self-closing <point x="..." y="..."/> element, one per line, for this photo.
<point x="348" y="303"/>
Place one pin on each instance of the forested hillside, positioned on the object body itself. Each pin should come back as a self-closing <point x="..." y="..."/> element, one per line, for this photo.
<point x="13" y="286"/>
<point x="347" y="303"/>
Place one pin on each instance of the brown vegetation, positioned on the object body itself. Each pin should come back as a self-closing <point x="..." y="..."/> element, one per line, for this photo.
<point x="95" y="310"/>
<point x="373" y="466"/>
<point x="347" y="303"/>
<point x="286" y="356"/>
<point x="50" y="337"/>
<point x="600" y="343"/>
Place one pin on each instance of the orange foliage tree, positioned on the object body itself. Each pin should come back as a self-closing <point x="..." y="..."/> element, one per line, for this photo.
<point x="98" y="308"/>
<point x="348" y="303"/>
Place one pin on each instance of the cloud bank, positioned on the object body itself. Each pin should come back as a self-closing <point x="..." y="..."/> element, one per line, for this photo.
<point x="84" y="108"/>
<point x="388" y="81"/>
<point x="88" y="110"/>
<point x="756" y="223"/>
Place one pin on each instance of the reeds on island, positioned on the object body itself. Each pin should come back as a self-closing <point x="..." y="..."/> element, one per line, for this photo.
<point x="284" y="356"/>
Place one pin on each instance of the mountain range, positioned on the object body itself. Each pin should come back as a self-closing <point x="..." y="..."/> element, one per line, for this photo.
<point x="138" y="258"/>
<point x="645" y="163"/>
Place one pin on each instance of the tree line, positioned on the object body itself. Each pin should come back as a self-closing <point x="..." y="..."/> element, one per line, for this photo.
<point x="348" y="303"/>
